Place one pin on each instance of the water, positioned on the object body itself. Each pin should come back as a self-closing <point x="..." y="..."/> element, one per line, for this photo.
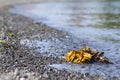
<point x="79" y="18"/>
<point x="98" y="23"/>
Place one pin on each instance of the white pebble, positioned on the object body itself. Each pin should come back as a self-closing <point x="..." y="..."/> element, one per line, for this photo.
<point x="22" y="78"/>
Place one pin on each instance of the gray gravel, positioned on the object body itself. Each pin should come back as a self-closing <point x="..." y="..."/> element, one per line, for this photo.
<point x="18" y="62"/>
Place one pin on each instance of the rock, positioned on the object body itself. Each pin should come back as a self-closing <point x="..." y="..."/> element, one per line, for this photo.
<point x="2" y="35"/>
<point x="16" y="72"/>
<point x="45" y="75"/>
<point x="22" y="79"/>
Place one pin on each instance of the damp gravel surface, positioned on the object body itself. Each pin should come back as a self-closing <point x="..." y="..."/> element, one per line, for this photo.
<point x="32" y="51"/>
<point x="94" y="23"/>
<point x="19" y="62"/>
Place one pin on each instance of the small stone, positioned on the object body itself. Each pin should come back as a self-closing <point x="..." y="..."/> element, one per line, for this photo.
<point x="25" y="76"/>
<point x="17" y="78"/>
<point x="16" y="72"/>
<point x="22" y="78"/>
<point x="1" y="18"/>
<point x="66" y="36"/>
<point x="45" y="75"/>
<point x="2" y="35"/>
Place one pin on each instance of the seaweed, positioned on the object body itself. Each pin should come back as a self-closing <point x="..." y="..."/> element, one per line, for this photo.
<point x="86" y="55"/>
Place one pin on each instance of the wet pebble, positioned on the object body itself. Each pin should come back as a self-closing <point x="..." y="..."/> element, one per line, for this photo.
<point x="45" y="75"/>
<point x="16" y="72"/>
<point x="22" y="79"/>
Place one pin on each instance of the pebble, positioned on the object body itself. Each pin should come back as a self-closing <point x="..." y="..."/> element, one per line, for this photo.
<point x="16" y="72"/>
<point x="22" y="79"/>
<point x="45" y="75"/>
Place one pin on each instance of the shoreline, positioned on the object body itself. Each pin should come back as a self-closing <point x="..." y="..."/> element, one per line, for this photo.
<point x="17" y="59"/>
<point x="18" y="62"/>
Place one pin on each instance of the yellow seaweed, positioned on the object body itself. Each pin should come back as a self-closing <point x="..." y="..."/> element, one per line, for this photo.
<point x="79" y="56"/>
<point x="85" y="55"/>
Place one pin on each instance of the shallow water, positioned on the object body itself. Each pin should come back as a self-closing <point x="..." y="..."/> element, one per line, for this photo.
<point x="74" y="17"/>
<point x="95" y="22"/>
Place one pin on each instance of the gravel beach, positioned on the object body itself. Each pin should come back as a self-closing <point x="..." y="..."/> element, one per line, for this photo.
<point x="18" y="62"/>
